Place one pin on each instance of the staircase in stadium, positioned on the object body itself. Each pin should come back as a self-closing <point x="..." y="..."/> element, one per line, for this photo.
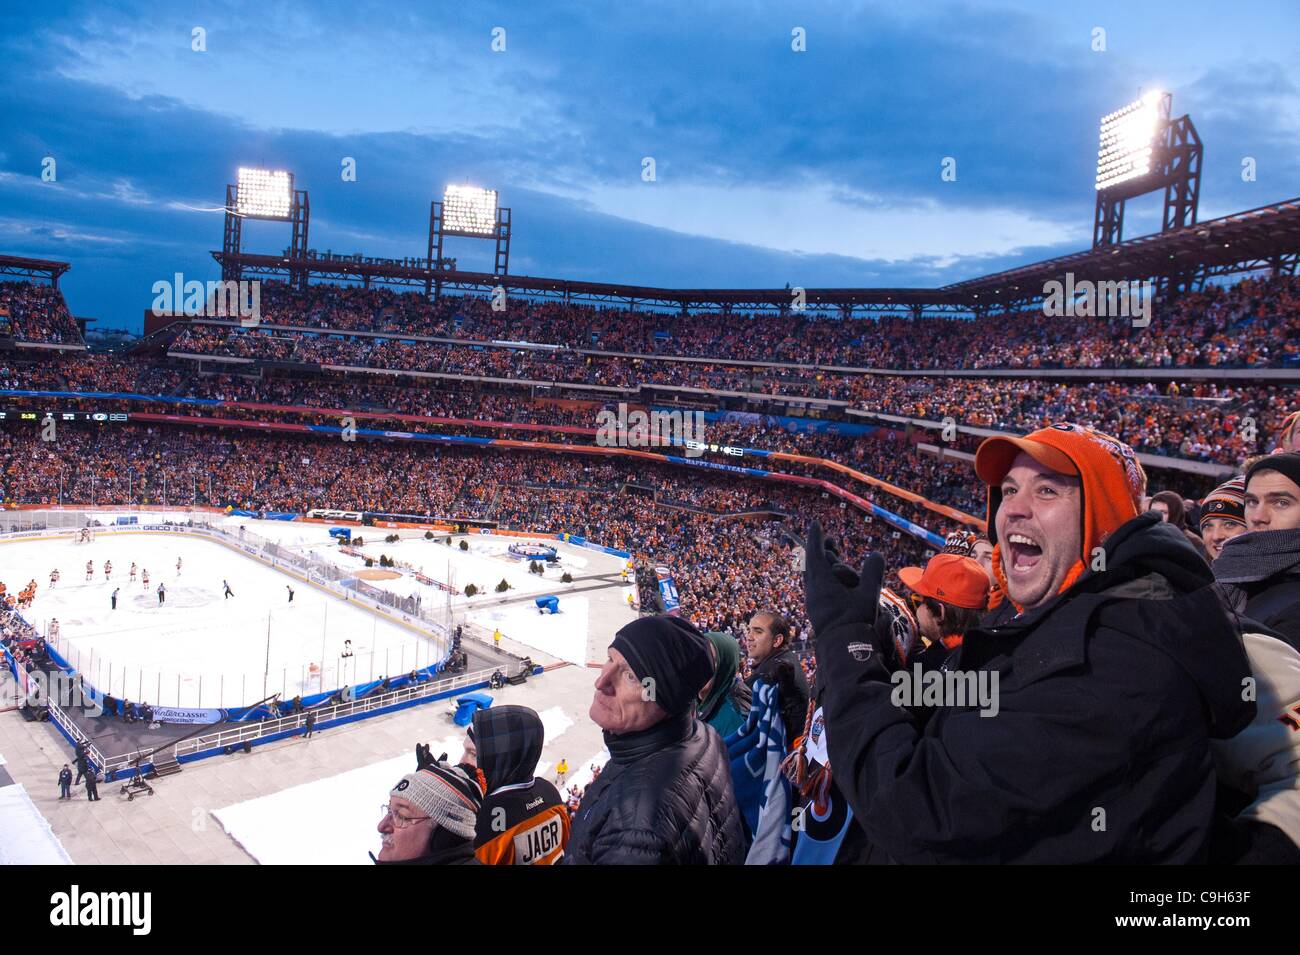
<point x="165" y="764"/>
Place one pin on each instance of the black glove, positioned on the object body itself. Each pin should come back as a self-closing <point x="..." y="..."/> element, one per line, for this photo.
<point x="835" y="595"/>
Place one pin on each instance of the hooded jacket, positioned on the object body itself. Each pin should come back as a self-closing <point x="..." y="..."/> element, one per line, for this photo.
<point x="523" y="820"/>
<point x="1108" y="697"/>
<point x="727" y="704"/>
<point x="1262" y="762"/>
<point x="664" y="798"/>
<point x="1260" y="573"/>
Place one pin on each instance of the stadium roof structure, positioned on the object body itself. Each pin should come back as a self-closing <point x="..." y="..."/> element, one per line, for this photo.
<point x="1258" y="239"/>
<point x="46" y="269"/>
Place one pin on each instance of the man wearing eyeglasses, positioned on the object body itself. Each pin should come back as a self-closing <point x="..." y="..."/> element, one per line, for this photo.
<point x="429" y="818"/>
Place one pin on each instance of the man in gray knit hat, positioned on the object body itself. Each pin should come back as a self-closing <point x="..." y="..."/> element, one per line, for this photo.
<point x="430" y="817"/>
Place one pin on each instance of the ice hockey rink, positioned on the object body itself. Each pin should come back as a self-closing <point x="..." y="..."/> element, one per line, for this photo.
<point x="567" y="636"/>
<point x="201" y="648"/>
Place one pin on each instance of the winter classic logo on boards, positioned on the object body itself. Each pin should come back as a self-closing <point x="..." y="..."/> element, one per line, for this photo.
<point x="74" y="908"/>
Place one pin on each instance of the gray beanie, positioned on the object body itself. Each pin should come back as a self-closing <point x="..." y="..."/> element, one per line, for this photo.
<point x="445" y="794"/>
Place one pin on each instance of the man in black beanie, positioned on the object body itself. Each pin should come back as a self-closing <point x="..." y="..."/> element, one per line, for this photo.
<point x="665" y="796"/>
<point x="1260" y="569"/>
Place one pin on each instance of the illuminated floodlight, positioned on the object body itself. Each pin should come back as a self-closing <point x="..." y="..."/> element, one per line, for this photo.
<point x="469" y="210"/>
<point x="1128" y="140"/>
<point x="264" y="194"/>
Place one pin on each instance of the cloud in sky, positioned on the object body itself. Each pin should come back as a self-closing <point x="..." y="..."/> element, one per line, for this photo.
<point x="819" y="168"/>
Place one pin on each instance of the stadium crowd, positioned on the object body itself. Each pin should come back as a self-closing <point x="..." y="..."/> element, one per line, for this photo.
<point x="36" y="313"/>
<point x="1253" y="322"/>
<point x="1121" y="689"/>
<point x="1122" y="616"/>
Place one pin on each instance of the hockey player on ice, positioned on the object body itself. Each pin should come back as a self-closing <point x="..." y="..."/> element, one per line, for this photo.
<point x="90" y="569"/>
<point x="178" y="566"/>
<point x="133" y="572"/>
<point x="290" y="589"/>
<point x="54" y="576"/>
<point x="229" y="593"/>
<point x="108" y="570"/>
<point x="144" y="578"/>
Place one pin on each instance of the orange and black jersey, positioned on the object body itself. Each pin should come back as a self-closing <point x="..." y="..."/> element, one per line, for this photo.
<point x="524" y="824"/>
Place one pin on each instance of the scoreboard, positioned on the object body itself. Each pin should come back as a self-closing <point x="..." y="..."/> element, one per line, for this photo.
<point x="37" y="417"/>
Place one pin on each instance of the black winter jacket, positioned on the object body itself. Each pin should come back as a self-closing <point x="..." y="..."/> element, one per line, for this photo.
<point x="1273" y="601"/>
<point x="664" y="798"/>
<point x="783" y="670"/>
<point x="1108" y="697"/>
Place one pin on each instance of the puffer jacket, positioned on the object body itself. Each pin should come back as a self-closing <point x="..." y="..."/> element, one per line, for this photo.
<point x="664" y="798"/>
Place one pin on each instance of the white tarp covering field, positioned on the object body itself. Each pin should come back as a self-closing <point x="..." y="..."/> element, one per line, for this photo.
<point x="25" y="836"/>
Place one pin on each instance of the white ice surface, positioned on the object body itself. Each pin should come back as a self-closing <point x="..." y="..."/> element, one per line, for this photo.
<point x="199" y="641"/>
<point x="485" y="564"/>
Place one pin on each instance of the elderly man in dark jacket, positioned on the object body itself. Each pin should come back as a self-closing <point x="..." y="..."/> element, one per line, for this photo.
<point x="1260" y="570"/>
<point x="1116" y="664"/>
<point x="665" y="795"/>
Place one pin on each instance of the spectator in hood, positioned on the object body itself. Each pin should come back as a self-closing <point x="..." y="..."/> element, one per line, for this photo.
<point x="523" y="820"/>
<point x="1260" y="570"/>
<point x="429" y="818"/>
<point x="724" y="700"/>
<point x="665" y="796"/>
<point x="1117" y="666"/>
<point x="1223" y="515"/>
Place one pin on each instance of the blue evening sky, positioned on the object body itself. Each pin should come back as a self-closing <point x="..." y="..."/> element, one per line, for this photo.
<point x="817" y="168"/>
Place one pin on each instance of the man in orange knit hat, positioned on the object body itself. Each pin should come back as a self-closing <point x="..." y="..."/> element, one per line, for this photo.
<point x="1114" y="663"/>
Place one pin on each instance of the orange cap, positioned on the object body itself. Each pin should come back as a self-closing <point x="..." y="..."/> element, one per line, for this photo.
<point x="950" y="579"/>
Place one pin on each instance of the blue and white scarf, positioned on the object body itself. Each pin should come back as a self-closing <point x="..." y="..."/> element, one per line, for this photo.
<point x="762" y="791"/>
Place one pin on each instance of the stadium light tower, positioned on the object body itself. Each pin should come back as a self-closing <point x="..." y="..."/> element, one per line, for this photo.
<point x="269" y="195"/>
<point x="471" y="212"/>
<point x="1142" y="150"/>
